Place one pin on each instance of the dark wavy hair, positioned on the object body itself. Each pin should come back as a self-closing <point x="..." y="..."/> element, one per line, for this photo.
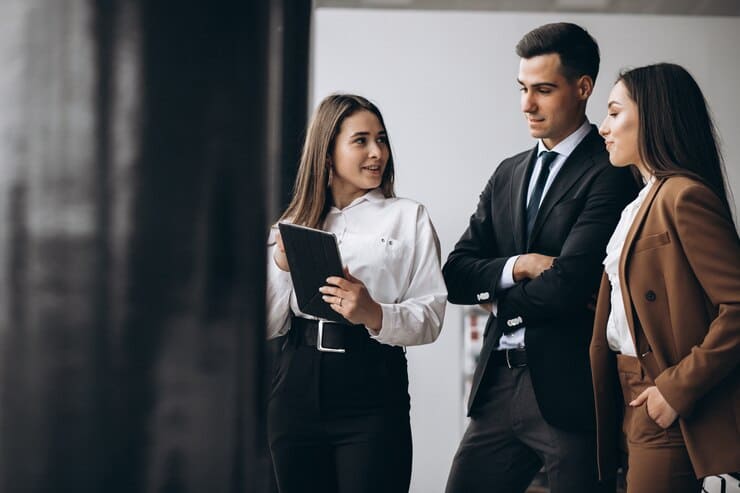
<point x="676" y="133"/>
<point x="578" y="50"/>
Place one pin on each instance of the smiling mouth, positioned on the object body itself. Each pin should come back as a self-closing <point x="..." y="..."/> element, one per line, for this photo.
<point x="375" y="168"/>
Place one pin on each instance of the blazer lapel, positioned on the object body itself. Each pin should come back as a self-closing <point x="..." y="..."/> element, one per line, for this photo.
<point x="626" y="248"/>
<point x="519" y="181"/>
<point x="574" y="167"/>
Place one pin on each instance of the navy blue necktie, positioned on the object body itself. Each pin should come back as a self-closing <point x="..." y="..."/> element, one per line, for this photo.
<point x="534" y="202"/>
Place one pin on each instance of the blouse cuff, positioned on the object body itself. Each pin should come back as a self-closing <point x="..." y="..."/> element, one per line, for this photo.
<point x="386" y="326"/>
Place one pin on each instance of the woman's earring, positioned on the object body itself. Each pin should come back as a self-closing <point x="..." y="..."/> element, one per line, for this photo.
<point x="331" y="175"/>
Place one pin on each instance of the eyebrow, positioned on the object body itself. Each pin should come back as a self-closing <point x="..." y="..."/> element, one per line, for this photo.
<point x="382" y="132"/>
<point x="609" y="105"/>
<point x="538" y="84"/>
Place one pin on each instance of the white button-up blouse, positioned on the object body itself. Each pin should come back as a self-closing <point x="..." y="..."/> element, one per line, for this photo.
<point x="390" y="245"/>
<point x="617" y="329"/>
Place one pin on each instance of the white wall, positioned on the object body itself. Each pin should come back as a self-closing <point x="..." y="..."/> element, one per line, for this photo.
<point x="446" y="84"/>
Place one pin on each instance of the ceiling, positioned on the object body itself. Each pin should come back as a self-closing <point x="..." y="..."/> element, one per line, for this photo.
<point x="654" y="7"/>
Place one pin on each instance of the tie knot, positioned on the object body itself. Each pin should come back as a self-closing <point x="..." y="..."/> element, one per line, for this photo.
<point x="547" y="158"/>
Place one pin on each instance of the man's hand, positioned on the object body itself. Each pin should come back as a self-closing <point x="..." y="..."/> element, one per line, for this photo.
<point x="657" y="407"/>
<point x="531" y="265"/>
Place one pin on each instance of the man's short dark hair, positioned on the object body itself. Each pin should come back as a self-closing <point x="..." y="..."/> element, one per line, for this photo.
<point x="579" y="53"/>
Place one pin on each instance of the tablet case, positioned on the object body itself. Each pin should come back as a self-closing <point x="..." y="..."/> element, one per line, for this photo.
<point x="313" y="255"/>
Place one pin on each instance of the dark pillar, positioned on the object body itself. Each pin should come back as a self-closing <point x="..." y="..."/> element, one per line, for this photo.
<point x="287" y="96"/>
<point x="134" y="205"/>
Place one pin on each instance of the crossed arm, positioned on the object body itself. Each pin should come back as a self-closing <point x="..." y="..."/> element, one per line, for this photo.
<point x="526" y="266"/>
<point x="546" y="286"/>
<point x="568" y="285"/>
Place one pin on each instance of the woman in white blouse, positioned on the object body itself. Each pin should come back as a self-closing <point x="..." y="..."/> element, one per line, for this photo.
<point x="339" y="421"/>
<point x="666" y="341"/>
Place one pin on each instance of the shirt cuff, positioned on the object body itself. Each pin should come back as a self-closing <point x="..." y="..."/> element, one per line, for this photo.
<point x="386" y="325"/>
<point x="506" y="280"/>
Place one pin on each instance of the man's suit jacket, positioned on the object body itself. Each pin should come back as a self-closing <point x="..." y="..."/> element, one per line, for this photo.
<point x="576" y="219"/>
<point x="680" y="278"/>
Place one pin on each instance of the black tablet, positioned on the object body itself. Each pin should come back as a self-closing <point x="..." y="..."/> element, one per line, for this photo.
<point x="313" y="255"/>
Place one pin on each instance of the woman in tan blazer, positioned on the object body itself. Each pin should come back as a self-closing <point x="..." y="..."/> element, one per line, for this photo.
<point x="666" y="342"/>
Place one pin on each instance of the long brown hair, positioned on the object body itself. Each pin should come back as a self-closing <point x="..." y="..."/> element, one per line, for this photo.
<point x="676" y="134"/>
<point x="311" y="198"/>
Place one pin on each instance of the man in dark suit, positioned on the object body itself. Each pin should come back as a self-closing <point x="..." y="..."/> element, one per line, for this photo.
<point x="532" y="255"/>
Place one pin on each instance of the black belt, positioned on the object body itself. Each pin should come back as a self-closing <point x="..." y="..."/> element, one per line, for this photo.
<point x="330" y="337"/>
<point x="510" y="358"/>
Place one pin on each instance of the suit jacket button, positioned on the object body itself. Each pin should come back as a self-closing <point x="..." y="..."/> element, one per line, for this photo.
<point x="650" y="295"/>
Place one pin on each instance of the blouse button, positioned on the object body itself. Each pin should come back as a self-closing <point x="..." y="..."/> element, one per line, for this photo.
<point x="650" y="295"/>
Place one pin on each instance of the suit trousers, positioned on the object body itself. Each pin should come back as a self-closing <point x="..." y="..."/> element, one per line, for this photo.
<point x="657" y="459"/>
<point x="508" y="441"/>
<point x="340" y="422"/>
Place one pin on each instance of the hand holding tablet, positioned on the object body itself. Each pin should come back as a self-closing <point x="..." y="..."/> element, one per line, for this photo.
<point x="313" y="256"/>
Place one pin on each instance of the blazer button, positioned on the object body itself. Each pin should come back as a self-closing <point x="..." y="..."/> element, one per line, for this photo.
<point x="650" y="295"/>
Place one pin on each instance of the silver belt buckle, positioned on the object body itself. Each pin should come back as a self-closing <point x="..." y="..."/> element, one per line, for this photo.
<point x="320" y="340"/>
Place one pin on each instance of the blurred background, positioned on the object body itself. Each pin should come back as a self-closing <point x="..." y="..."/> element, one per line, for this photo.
<point x="145" y="149"/>
<point x="136" y="177"/>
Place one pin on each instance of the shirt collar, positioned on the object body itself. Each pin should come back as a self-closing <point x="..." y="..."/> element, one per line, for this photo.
<point x="568" y="144"/>
<point x="374" y="196"/>
<point x="648" y="185"/>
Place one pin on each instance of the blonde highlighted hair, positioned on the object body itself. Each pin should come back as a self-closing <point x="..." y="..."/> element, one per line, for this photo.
<point x="311" y="198"/>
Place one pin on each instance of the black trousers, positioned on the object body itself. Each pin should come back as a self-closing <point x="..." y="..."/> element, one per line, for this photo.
<point x="508" y="441"/>
<point x="340" y="422"/>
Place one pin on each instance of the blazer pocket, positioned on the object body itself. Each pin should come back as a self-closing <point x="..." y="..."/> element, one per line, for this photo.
<point x="651" y="241"/>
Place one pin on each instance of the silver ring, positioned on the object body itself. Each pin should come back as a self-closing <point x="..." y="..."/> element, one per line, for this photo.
<point x="340" y="302"/>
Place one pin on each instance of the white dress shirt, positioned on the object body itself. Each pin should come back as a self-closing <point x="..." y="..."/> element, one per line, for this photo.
<point x="390" y="245"/>
<point x="618" y="333"/>
<point x="564" y="149"/>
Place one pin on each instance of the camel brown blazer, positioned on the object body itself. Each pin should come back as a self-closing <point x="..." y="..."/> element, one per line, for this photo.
<point x="680" y="277"/>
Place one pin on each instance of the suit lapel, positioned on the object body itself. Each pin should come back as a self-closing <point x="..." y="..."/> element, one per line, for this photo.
<point x="628" y="242"/>
<point x="574" y="167"/>
<point x="519" y="181"/>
